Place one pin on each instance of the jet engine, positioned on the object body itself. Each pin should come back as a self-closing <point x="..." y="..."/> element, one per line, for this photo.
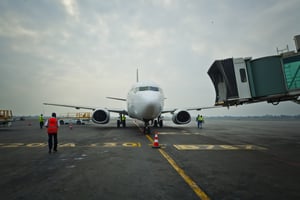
<point x="181" y="117"/>
<point x="101" y="116"/>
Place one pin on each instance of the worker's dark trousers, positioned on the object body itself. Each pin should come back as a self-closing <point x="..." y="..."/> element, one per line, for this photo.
<point x="199" y="124"/>
<point x="50" y="144"/>
<point x="41" y="124"/>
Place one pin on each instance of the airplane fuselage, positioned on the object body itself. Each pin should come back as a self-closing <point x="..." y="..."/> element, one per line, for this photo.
<point x="145" y="101"/>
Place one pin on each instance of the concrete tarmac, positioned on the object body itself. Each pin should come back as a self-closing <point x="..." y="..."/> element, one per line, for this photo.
<point x="227" y="159"/>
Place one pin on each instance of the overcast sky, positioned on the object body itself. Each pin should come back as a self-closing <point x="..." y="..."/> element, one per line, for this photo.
<point x="79" y="52"/>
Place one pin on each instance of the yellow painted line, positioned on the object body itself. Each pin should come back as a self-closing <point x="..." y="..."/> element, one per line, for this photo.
<point x="67" y="145"/>
<point x="217" y="147"/>
<point x="198" y="191"/>
<point x="109" y="144"/>
<point x="72" y="145"/>
<point x="37" y="145"/>
<point x="141" y="130"/>
<point x="251" y="147"/>
<point x="9" y="145"/>
<point x="131" y="144"/>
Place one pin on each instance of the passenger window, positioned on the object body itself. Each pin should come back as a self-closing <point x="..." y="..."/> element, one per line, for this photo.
<point x="243" y="75"/>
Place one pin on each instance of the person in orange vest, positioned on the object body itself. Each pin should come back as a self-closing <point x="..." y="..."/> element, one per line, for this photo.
<point x="52" y="125"/>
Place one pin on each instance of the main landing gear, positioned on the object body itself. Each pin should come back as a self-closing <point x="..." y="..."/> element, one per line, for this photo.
<point x="158" y="122"/>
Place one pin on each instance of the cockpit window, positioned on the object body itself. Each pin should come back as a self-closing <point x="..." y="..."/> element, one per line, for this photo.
<point x="148" y="88"/>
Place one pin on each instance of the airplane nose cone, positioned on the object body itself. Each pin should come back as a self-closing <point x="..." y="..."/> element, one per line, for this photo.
<point x="152" y="108"/>
<point x="151" y="111"/>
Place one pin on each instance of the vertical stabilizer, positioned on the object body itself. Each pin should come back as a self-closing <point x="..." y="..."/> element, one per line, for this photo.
<point x="137" y="75"/>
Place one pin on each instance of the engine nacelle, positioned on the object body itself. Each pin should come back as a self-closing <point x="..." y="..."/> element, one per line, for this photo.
<point x="101" y="116"/>
<point x="181" y="117"/>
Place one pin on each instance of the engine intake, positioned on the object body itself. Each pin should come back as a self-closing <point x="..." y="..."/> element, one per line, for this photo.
<point x="181" y="117"/>
<point x="101" y="116"/>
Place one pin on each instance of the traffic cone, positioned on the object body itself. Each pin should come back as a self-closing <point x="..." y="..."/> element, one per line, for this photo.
<point x="155" y="143"/>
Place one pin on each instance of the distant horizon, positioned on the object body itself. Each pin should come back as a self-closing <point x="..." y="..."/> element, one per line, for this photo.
<point x="193" y="116"/>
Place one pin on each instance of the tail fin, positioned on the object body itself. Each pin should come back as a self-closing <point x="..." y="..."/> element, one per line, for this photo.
<point x="137" y="75"/>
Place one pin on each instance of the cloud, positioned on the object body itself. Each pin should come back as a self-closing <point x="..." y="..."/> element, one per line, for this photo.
<point x="14" y="29"/>
<point x="71" y="7"/>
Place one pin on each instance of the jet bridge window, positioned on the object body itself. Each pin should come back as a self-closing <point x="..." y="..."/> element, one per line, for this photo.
<point x="148" y="88"/>
<point x="243" y="75"/>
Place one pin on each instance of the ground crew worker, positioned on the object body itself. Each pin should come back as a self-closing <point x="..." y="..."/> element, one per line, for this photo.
<point x="200" y="120"/>
<point x="123" y="119"/>
<point x="41" y="119"/>
<point x="52" y="125"/>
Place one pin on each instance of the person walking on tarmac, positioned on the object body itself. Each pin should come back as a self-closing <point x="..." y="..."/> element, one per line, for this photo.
<point x="52" y="125"/>
<point x="200" y="120"/>
<point x="41" y="119"/>
<point x="123" y="119"/>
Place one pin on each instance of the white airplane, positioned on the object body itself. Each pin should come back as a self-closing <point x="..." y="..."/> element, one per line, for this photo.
<point x="145" y="102"/>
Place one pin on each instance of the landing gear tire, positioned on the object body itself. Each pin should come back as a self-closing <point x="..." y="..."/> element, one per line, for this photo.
<point x="161" y="124"/>
<point x="155" y="123"/>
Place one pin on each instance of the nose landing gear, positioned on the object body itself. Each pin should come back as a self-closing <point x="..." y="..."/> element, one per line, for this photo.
<point x="147" y="129"/>
<point x="155" y="123"/>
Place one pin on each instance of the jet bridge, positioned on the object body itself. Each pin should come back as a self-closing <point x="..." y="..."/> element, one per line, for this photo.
<point x="246" y="80"/>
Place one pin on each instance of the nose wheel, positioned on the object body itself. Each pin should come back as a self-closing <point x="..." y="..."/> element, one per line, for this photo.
<point x="147" y="129"/>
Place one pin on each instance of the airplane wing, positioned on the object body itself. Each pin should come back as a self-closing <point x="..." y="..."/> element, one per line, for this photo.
<point x="70" y="106"/>
<point x="120" y="111"/>
<point x="203" y="108"/>
<point x="191" y="108"/>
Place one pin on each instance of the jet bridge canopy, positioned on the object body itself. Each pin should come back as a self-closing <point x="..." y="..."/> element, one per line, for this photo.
<point x="223" y="77"/>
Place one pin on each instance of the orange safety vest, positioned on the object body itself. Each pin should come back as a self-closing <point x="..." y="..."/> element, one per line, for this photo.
<point x="52" y="126"/>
